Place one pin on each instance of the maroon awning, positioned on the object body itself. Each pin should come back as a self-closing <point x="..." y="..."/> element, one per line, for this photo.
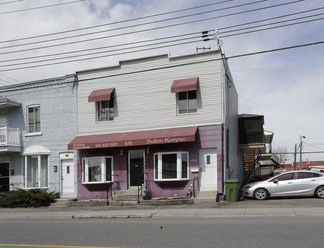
<point x="150" y="137"/>
<point x="182" y="85"/>
<point x="100" y="95"/>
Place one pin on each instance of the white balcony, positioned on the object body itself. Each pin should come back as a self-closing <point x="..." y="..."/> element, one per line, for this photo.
<point x="10" y="139"/>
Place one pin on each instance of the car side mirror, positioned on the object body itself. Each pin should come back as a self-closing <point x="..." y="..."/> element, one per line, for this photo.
<point x="275" y="181"/>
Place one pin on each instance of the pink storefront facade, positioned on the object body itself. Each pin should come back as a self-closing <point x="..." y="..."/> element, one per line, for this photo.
<point x="135" y="159"/>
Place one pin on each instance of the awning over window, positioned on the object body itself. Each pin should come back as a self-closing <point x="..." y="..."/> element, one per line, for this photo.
<point x="182" y="85"/>
<point x="150" y="137"/>
<point x="100" y="95"/>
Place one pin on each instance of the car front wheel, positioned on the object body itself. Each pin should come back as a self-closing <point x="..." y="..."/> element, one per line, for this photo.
<point x="261" y="194"/>
<point x="319" y="192"/>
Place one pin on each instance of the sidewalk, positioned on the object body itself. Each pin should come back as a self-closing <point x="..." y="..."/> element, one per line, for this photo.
<point x="184" y="211"/>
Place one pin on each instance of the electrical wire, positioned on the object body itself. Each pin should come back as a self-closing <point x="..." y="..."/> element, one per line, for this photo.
<point x="272" y="18"/>
<point x="114" y="23"/>
<point x="40" y="7"/>
<point x="11" y="2"/>
<point x="163" y="38"/>
<point x="158" y="43"/>
<point x="127" y="27"/>
<point x="264" y="29"/>
<point x="140" y="31"/>
<point x="106" y="47"/>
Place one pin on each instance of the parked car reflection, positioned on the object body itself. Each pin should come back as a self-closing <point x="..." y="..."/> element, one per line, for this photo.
<point x="295" y="183"/>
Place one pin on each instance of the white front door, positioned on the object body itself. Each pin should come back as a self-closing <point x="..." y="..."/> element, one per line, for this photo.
<point x="208" y="169"/>
<point x="67" y="176"/>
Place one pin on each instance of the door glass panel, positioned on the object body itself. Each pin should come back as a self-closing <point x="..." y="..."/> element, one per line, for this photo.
<point x="4" y="177"/>
<point x="136" y="167"/>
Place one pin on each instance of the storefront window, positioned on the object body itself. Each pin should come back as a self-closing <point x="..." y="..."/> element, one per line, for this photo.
<point x="171" y="166"/>
<point x="97" y="170"/>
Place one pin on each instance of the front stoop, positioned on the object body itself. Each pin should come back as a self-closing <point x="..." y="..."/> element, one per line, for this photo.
<point x="125" y="197"/>
<point x="206" y="197"/>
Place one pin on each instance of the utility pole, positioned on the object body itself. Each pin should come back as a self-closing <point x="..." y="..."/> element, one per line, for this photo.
<point x="295" y="155"/>
<point x="301" y="152"/>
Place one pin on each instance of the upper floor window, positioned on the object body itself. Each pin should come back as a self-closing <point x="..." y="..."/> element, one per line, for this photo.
<point x="33" y="118"/>
<point x="187" y="102"/>
<point x="186" y="90"/>
<point x="105" y="110"/>
<point x="105" y="104"/>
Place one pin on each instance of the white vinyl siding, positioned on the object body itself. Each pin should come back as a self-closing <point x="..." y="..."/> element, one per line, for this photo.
<point x="143" y="93"/>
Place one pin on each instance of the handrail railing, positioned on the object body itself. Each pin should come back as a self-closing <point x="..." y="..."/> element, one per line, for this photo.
<point x="140" y="184"/>
<point x="194" y="187"/>
<point x="111" y="188"/>
<point x="9" y="136"/>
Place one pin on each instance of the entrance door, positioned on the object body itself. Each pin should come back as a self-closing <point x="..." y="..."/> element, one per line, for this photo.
<point x="4" y="177"/>
<point x="67" y="176"/>
<point x="208" y="169"/>
<point x="136" y="167"/>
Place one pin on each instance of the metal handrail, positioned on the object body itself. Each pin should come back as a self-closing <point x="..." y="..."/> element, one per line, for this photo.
<point x="193" y="186"/>
<point x="111" y="188"/>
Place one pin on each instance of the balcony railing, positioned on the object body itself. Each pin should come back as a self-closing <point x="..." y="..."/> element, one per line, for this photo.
<point x="9" y="136"/>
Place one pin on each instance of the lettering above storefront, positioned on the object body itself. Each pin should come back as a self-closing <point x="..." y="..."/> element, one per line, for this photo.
<point x="175" y="135"/>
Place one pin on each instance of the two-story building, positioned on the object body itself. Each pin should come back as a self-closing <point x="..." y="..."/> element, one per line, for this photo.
<point x="37" y="120"/>
<point x="168" y="124"/>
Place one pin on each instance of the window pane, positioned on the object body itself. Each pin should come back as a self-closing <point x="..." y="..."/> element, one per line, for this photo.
<point x="32" y="171"/>
<point x="94" y="169"/>
<point x="37" y="119"/>
<point x="44" y="171"/>
<point x="184" y="165"/>
<point x="83" y="170"/>
<point x="108" y="169"/>
<point x="169" y="166"/>
<point x="192" y="95"/>
<point x="156" y="166"/>
<point x="286" y="177"/>
<point x="182" y="105"/>
<point x="182" y="95"/>
<point x="192" y="106"/>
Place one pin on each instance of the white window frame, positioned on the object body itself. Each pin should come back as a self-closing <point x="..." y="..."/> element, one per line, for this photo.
<point x="158" y="176"/>
<point x="34" y="119"/>
<point x="85" y="170"/>
<point x="187" y="101"/>
<point x="38" y="184"/>
<point x="110" y="112"/>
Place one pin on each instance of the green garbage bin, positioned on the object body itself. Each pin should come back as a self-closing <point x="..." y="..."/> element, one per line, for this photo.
<point x="231" y="186"/>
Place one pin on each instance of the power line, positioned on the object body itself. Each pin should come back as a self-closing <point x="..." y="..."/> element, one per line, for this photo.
<point x="264" y="29"/>
<point x="230" y="57"/>
<point x="103" y="52"/>
<point x="11" y="2"/>
<point x="145" y="30"/>
<point x="272" y="18"/>
<point x="133" y="43"/>
<point x="127" y="27"/>
<point x="105" y="47"/>
<point x="113" y="23"/>
<point x="40" y="7"/>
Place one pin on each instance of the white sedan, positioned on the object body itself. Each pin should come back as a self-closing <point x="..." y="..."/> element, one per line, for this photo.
<point x="295" y="183"/>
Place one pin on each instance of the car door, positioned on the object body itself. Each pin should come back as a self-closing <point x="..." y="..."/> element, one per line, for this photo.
<point x="283" y="185"/>
<point x="306" y="182"/>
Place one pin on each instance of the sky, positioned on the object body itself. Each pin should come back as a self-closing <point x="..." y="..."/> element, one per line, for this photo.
<point x="285" y="86"/>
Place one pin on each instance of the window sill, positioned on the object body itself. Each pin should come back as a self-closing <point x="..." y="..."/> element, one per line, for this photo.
<point x="41" y="188"/>
<point x="171" y="180"/>
<point x="33" y="134"/>
<point x="87" y="183"/>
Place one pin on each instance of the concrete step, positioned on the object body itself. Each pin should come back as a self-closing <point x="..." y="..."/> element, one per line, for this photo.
<point x="206" y="197"/>
<point x="126" y="195"/>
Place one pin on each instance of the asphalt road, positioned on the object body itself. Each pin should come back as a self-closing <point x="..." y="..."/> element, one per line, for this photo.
<point x="296" y="232"/>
